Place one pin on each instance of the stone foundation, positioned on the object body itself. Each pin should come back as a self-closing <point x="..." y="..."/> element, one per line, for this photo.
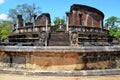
<point x="68" y="61"/>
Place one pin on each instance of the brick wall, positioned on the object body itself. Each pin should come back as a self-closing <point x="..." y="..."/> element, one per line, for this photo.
<point x="90" y="16"/>
<point x="41" y="20"/>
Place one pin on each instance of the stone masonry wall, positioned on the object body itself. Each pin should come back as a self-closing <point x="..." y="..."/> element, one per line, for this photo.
<point x="60" y="60"/>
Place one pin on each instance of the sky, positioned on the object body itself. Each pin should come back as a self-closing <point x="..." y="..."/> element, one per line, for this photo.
<point x="58" y="8"/>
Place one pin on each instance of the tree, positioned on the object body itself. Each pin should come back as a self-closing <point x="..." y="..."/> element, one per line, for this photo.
<point x="27" y="11"/>
<point x="63" y="21"/>
<point x="115" y="32"/>
<point x="5" y="29"/>
<point x="57" y="21"/>
<point x="112" y="21"/>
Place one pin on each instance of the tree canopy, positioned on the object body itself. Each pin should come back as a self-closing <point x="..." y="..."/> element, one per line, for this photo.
<point x="59" y="21"/>
<point x="5" y="29"/>
<point x="114" y="23"/>
<point x="27" y="11"/>
<point x="114" y="32"/>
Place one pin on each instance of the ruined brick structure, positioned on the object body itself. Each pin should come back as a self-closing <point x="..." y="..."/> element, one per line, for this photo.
<point x="81" y="44"/>
<point x="20" y="21"/>
<point x="86" y="23"/>
<point x="84" y="26"/>
<point x="41" y="20"/>
<point x="31" y="32"/>
<point x="85" y="16"/>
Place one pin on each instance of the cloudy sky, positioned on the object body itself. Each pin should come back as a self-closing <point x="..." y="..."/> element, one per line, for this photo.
<point x="59" y="7"/>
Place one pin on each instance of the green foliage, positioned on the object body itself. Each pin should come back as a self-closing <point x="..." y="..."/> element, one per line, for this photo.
<point x="27" y="11"/>
<point x="5" y="29"/>
<point x="112" y="21"/>
<point x="57" y="21"/>
<point x="114" y="32"/>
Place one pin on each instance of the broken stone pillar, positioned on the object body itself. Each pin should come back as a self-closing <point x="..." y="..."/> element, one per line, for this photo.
<point x="20" y="21"/>
<point x="46" y="24"/>
<point x="107" y="27"/>
<point x="101" y="25"/>
<point x="67" y="20"/>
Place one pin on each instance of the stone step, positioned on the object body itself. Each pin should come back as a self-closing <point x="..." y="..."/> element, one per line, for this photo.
<point x="59" y="43"/>
<point x="78" y="73"/>
<point x="59" y="37"/>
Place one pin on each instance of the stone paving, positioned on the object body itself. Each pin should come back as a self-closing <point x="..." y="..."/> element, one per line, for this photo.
<point x="19" y="77"/>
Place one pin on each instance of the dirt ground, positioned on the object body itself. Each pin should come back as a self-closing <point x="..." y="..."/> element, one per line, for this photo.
<point x="19" y="77"/>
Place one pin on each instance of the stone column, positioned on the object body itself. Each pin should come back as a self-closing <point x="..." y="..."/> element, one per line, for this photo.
<point x="33" y="18"/>
<point x="20" y="21"/>
<point x="11" y="61"/>
<point x="80" y="16"/>
<point x="92" y="22"/>
<point x="46" y="28"/>
<point x="86" y="19"/>
<point x="17" y="25"/>
<point x="24" y="23"/>
<point x="33" y="27"/>
<point x="101" y="25"/>
<point x="107" y="27"/>
<point x="67" y="20"/>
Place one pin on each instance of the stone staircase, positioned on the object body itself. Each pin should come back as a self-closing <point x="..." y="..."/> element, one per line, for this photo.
<point x="59" y="39"/>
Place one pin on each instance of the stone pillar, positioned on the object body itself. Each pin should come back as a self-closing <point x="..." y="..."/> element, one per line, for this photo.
<point x="92" y="22"/>
<point x="67" y="20"/>
<point x="86" y="19"/>
<point x="24" y="23"/>
<point x="20" y="21"/>
<point x="34" y="17"/>
<point x="73" y="17"/>
<point x="80" y="16"/>
<point x="101" y="25"/>
<point x="33" y="27"/>
<point x="107" y="27"/>
<point x="46" y="28"/>
<point x="11" y="61"/>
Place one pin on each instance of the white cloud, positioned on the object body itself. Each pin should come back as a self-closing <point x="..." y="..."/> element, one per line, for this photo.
<point x="3" y="17"/>
<point x="2" y="1"/>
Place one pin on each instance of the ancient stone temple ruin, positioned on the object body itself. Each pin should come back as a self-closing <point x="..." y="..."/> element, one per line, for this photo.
<point x="84" y="26"/>
<point x="82" y="44"/>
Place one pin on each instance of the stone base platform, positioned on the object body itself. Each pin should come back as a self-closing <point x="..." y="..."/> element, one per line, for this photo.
<point x="19" y="77"/>
<point x="63" y="58"/>
<point x="105" y="72"/>
<point x="59" y="48"/>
